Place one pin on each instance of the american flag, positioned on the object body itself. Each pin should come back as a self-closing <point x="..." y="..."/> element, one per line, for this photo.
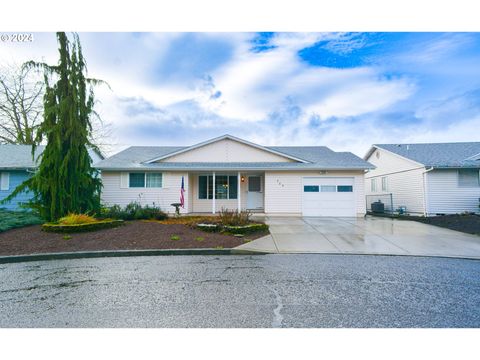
<point x="182" y="198"/>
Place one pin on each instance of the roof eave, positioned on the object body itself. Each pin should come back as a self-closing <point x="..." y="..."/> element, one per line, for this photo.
<point x="243" y="168"/>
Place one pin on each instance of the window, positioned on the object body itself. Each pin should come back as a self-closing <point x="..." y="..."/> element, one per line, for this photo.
<point x="311" y="188"/>
<point x="254" y="184"/>
<point x="232" y="186"/>
<point x="149" y="180"/>
<point x="345" y="188"/>
<point x="225" y="187"/>
<point x="373" y="185"/>
<point x="137" y="180"/>
<point x="4" y="180"/>
<point x="328" y="188"/>
<point x="221" y="187"/>
<point x="468" y="178"/>
<point x="202" y="187"/>
<point x="384" y="183"/>
<point x="154" y="180"/>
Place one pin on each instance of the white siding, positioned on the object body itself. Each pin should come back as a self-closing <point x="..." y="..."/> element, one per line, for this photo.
<point x="283" y="190"/>
<point x="405" y="181"/>
<point x="406" y="188"/>
<point x="444" y="196"/>
<point x="227" y="151"/>
<point x="112" y="193"/>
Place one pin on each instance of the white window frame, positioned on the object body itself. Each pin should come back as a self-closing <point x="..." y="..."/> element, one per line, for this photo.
<point x="373" y="184"/>
<point x="4" y="181"/>
<point x="384" y="183"/>
<point x="145" y="180"/>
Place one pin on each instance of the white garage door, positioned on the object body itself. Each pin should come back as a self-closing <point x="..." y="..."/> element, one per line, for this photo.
<point x="323" y="196"/>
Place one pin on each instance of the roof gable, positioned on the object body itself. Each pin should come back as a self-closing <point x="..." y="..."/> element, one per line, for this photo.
<point x="226" y="148"/>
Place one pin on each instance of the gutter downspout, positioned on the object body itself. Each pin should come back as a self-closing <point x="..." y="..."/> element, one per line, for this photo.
<point x="425" y="188"/>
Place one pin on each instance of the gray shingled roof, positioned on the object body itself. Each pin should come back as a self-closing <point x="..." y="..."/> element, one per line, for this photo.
<point x="17" y="156"/>
<point x="20" y="156"/>
<point x="439" y="155"/>
<point x="320" y="157"/>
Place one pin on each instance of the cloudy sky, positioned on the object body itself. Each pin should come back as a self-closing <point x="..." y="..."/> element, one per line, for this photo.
<point x="343" y="90"/>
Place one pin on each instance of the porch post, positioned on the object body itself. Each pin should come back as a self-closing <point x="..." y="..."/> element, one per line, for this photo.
<point x="238" y="192"/>
<point x="213" y="195"/>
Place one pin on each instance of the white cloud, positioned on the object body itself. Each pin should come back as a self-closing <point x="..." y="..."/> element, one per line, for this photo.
<point x="252" y="94"/>
<point x="255" y="83"/>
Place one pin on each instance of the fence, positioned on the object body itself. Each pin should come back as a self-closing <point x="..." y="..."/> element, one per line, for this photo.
<point x="385" y="199"/>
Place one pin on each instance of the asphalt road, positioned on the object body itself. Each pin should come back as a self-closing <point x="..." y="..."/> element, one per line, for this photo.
<point x="242" y="291"/>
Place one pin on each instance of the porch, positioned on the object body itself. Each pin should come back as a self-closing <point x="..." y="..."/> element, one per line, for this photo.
<point x="209" y="192"/>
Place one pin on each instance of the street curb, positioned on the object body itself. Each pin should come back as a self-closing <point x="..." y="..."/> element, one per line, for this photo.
<point x="121" y="253"/>
<point x="461" y="257"/>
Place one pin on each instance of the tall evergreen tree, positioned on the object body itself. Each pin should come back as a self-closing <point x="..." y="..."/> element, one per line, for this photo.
<point x="65" y="180"/>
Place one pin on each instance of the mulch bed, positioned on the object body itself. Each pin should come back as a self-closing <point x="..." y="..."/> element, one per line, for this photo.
<point x="468" y="223"/>
<point x="134" y="235"/>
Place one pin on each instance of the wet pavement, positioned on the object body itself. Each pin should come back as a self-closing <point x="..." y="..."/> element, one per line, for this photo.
<point x="302" y="290"/>
<point x="369" y="235"/>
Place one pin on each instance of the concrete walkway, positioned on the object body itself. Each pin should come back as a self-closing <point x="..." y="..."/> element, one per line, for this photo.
<point x="368" y="235"/>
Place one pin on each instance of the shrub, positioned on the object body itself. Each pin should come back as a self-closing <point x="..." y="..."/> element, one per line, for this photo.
<point x="174" y="237"/>
<point x="234" y="217"/>
<point x="199" y="238"/>
<point x="152" y="212"/>
<point x="134" y="211"/>
<point x="74" y="219"/>
<point x="16" y="219"/>
<point x="74" y="228"/>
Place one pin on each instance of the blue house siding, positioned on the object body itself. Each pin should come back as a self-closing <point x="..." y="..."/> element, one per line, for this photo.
<point x="16" y="178"/>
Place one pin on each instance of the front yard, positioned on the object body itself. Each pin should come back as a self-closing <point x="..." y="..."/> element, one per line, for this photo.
<point x="173" y="233"/>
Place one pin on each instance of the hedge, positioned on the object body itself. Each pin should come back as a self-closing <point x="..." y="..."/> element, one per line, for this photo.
<point x="209" y="227"/>
<point x="246" y="229"/>
<point x="98" y="225"/>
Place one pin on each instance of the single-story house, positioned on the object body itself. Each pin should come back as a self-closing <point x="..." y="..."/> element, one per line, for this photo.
<point x="231" y="173"/>
<point x="17" y="165"/>
<point x="426" y="179"/>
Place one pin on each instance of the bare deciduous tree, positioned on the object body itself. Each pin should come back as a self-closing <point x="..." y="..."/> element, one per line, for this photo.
<point x="21" y="109"/>
<point x="21" y="105"/>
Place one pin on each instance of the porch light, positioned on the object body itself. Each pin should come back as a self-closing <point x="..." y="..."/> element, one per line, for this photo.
<point x="242" y="179"/>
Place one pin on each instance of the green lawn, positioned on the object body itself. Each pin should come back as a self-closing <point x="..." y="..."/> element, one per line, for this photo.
<point x="15" y="219"/>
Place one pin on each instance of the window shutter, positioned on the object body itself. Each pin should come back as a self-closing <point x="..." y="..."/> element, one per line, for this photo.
<point x="124" y="180"/>
<point x="5" y="181"/>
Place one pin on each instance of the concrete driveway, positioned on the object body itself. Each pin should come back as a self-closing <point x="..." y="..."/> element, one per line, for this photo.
<point x="368" y="235"/>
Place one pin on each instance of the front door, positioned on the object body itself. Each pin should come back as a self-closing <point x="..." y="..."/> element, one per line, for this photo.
<point x="254" y="193"/>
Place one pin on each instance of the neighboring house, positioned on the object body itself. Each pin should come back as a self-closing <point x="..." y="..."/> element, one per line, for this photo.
<point x="428" y="179"/>
<point x="17" y="165"/>
<point x="228" y="172"/>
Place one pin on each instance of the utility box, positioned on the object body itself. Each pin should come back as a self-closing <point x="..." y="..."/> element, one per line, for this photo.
<point x="378" y="207"/>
